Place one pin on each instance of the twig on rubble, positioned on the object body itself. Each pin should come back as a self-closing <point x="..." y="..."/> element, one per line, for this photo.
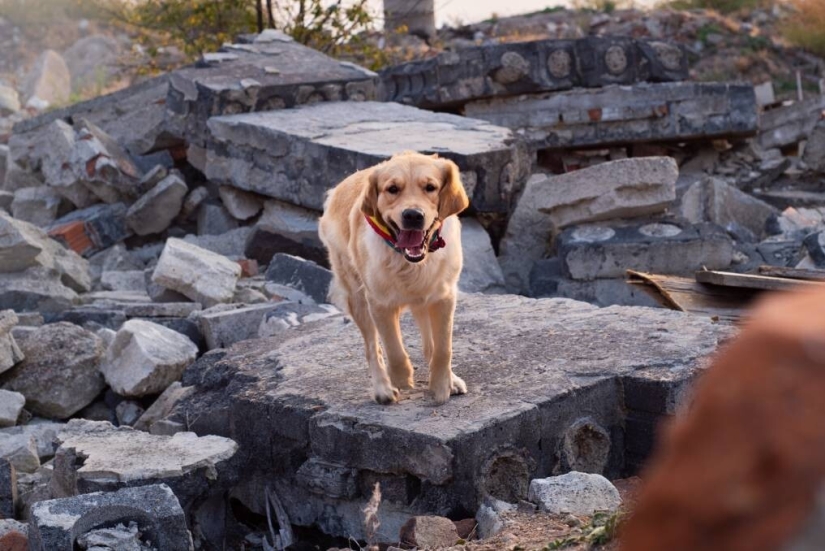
<point x="284" y="538"/>
<point x="371" y="522"/>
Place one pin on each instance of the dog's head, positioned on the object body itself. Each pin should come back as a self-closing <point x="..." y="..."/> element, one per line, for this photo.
<point x="412" y="193"/>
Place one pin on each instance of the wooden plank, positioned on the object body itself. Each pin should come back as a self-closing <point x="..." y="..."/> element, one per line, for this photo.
<point x="751" y="281"/>
<point x="793" y="273"/>
<point x="687" y="295"/>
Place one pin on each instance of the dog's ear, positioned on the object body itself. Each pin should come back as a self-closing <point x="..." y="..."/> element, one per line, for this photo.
<point x="369" y="200"/>
<point x="452" y="198"/>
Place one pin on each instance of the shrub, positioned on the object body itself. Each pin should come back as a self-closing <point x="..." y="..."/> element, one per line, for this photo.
<point x="722" y="6"/>
<point x="806" y="27"/>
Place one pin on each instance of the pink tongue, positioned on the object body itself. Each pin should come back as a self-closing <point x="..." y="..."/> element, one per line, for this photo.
<point x="408" y="239"/>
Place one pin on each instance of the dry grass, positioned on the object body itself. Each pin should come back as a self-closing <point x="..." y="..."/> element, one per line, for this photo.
<point x="806" y="28"/>
<point x="722" y="6"/>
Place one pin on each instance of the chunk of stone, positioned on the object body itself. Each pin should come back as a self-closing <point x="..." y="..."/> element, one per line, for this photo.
<point x="41" y="430"/>
<point x="528" y="376"/>
<point x="9" y="101"/>
<point x="481" y="272"/>
<point x="229" y="244"/>
<point x="342" y="137"/>
<point x="93" y="229"/>
<point x="304" y="275"/>
<point x="214" y="219"/>
<point x="489" y="516"/>
<point x="35" y="289"/>
<point x="10" y="353"/>
<point x="11" y="404"/>
<point x="222" y="329"/>
<point x="285" y="228"/>
<point x="790" y="124"/>
<point x="20" y="450"/>
<point x="194" y="199"/>
<point x="286" y="315"/>
<point x="110" y="173"/>
<point x="121" y="456"/>
<point x="628" y="187"/>
<point x="428" y="532"/>
<point x="614" y="115"/>
<point x="243" y="205"/>
<point x="57" y="523"/>
<point x="8" y="499"/>
<point x="36" y="205"/>
<point x="712" y="200"/>
<point x="156" y="209"/>
<point x="163" y="406"/>
<point x="20" y="244"/>
<point x="6" y="199"/>
<point x="599" y="251"/>
<point x="60" y="374"/>
<point x="814" y="155"/>
<point x="199" y="274"/>
<point x="145" y="358"/>
<point x="128" y="280"/>
<point x="575" y="493"/>
<point x="48" y="83"/>
<point x="815" y="244"/>
<point x="161" y="309"/>
<point x="128" y="412"/>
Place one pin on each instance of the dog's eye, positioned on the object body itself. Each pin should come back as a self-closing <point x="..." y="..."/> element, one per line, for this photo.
<point x="430" y="188"/>
<point x="393" y="189"/>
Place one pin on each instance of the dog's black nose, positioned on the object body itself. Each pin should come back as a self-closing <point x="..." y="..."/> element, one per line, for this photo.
<point x="413" y="219"/>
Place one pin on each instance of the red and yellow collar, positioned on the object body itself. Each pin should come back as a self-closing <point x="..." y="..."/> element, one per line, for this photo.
<point x="436" y="241"/>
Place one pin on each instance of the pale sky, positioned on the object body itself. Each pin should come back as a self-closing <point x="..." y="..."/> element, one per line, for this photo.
<point x="471" y="11"/>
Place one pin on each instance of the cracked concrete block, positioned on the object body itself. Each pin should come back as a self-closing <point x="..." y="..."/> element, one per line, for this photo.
<point x="201" y="275"/>
<point x="575" y="493"/>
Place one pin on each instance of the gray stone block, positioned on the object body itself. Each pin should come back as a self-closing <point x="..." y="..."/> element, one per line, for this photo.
<point x="480" y="272"/>
<point x="285" y="228"/>
<point x="263" y="75"/>
<point x="36" y="205"/>
<point x="8" y="489"/>
<point x="35" y="289"/>
<point x="529" y="381"/>
<point x="304" y="275"/>
<point x="663" y="247"/>
<point x="814" y="155"/>
<point x="56" y="524"/>
<point x="214" y="219"/>
<point x="670" y="111"/>
<point x="155" y="209"/>
<point x="287" y="315"/>
<point x="11" y="404"/>
<point x="223" y="329"/>
<point x="455" y="77"/>
<point x="791" y="124"/>
<point x="815" y="244"/>
<point x="296" y="155"/>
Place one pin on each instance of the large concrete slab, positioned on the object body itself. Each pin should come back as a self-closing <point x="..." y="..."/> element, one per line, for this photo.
<point x="296" y="155"/>
<point x="538" y="371"/>
<point x="455" y="77"/>
<point x="669" y="111"/>
<point x="270" y="72"/>
<point x="791" y="124"/>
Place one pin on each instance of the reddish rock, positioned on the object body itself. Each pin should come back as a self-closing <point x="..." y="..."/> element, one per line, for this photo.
<point x="741" y="470"/>
<point x="428" y="532"/>
<point x="14" y="541"/>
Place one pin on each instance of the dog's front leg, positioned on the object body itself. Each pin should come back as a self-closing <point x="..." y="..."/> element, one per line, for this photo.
<point x="443" y="381"/>
<point x="387" y="321"/>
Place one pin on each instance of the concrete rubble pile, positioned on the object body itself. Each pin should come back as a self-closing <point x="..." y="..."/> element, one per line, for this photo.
<point x="166" y="342"/>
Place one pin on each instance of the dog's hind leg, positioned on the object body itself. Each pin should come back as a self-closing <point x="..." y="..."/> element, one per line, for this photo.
<point x="422" y="318"/>
<point x="382" y="389"/>
<point x="387" y="321"/>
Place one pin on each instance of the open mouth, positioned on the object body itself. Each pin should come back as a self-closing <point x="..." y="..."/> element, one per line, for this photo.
<point x="413" y="243"/>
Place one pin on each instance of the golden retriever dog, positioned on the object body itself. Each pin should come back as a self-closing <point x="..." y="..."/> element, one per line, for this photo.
<point x="394" y="242"/>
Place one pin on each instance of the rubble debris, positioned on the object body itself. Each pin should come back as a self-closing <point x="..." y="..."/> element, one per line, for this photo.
<point x="453" y="78"/>
<point x="121" y="456"/>
<point x="36" y="205"/>
<point x="576" y="493"/>
<point x="428" y="532"/>
<point x="56" y="523"/>
<point x="480" y="272"/>
<point x="344" y="137"/>
<point x="260" y="76"/>
<point x="489" y="516"/>
<point x="242" y="205"/>
<point x="145" y="358"/>
<point x="13" y="535"/>
<point x="201" y="275"/>
<point x="639" y="187"/>
<point x="11" y="404"/>
<point x="91" y="230"/>
<point x="48" y="83"/>
<point x="303" y="275"/>
<point x="9" y="104"/>
<point x="675" y="111"/>
<point x="20" y="451"/>
<point x="284" y="228"/>
<point x="117" y="537"/>
<point x="125" y="280"/>
<point x="668" y="247"/>
<point x="229" y="244"/>
<point x="162" y="406"/>
<point x="788" y="125"/>
<point x="35" y="289"/>
<point x="10" y="353"/>
<point x="214" y="219"/>
<point x="60" y="373"/>
<point x="814" y="155"/>
<point x="154" y="211"/>
<point x="223" y="329"/>
<point x="319" y="388"/>
<point x="8" y="490"/>
<point x="712" y="200"/>
<point x="285" y="315"/>
<point x="128" y="412"/>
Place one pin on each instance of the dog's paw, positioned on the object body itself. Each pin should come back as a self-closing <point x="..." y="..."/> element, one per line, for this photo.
<point x="442" y="390"/>
<point x="458" y="385"/>
<point x="401" y="375"/>
<point x="386" y="396"/>
<point x="403" y="383"/>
